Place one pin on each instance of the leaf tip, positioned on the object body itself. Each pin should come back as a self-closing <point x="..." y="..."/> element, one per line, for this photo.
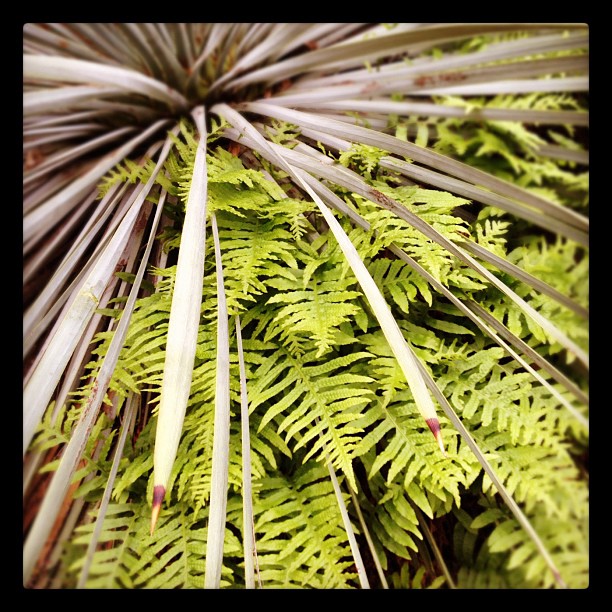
<point x="159" y="492"/>
<point x="434" y="425"/>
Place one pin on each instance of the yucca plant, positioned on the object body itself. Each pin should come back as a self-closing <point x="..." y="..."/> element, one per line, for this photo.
<point x="306" y="305"/>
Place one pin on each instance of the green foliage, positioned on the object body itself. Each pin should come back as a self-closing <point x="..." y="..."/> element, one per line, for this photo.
<point x="302" y="504"/>
<point x="323" y="386"/>
<point x="511" y="149"/>
<point x="172" y="558"/>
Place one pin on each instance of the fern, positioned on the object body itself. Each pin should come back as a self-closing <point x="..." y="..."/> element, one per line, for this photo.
<point x="565" y="273"/>
<point x="172" y="558"/>
<point x="324" y="389"/>
<point x="313" y="306"/>
<point x="255" y="250"/>
<point x="317" y="554"/>
<point x="310" y="404"/>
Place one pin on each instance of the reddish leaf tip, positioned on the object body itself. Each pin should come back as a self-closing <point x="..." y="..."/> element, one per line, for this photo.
<point x="159" y="492"/>
<point x="434" y="426"/>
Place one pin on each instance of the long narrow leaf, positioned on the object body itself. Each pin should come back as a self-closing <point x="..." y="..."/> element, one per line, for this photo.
<point x="421" y="155"/>
<point x="361" y="570"/>
<point x="91" y="548"/>
<point x="381" y="309"/>
<point x="368" y="537"/>
<point x="44" y="379"/>
<point x="182" y="325"/>
<point x="523" y="47"/>
<point x="248" y="533"/>
<point x="80" y="71"/>
<point x="477" y="314"/>
<point x="350" y="180"/>
<point x="44" y="217"/>
<point x="512" y="505"/>
<point x="60" y="482"/>
<point x="220" y="460"/>
<point x="351" y="54"/>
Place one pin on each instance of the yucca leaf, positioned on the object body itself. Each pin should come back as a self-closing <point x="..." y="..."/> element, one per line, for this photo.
<point x="350" y="54"/>
<point x="46" y="215"/>
<point x="183" y="325"/>
<point x="361" y="570"/>
<point x="64" y="69"/>
<point x="424" y="64"/>
<point x="74" y="450"/>
<point x="220" y="459"/>
<point x="248" y="523"/>
<point x="426" y="156"/>
<point x="508" y="499"/>
<point x="127" y="422"/>
<point x="42" y="382"/>
<point x="344" y="177"/>
<point x="377" y="302"/>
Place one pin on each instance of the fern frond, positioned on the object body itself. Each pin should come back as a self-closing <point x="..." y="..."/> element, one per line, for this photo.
<point x="172" y="558"/>
<point x="254" y="250"/>
<point x="307" y="401"/>
<point x="567" y="539"/>
<point x="409" y="452"/>
<point x="317" y="554"/>
<point x="314" y="306"/>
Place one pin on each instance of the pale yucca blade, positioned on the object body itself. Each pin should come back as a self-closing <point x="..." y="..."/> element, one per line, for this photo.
<point x="220" y="459"/>
<point x="404" y="109"/>
<point x="183" y="324"/>
<point x="559" y="152"/>
<point x="60" y="482"/>
<point x="422" y="155"/>
<point x="346" y="178"/>
<point x="35" y="102"/>
<point x="441" y="289"/>
<point x="434" y="546"/>
<point x="61" y="158"/>
<point x="63" y="42"/>
<point x="56" y="294"/>
<point x="508" y="499"/>
<point x="38" y="259"/>
<point x="532" y="69"/>
<point x="43" y="218"/>
<point x="248" y="531"/>
<point x="368" y="537"/>
<point x="348" y="55"/>
<point x="129" y="414"/>
<point x="361" y="570"/>
<point x="486" y="325"/>
<point x="512" y="269"/>
<point x="388" y="324"/>
<point x="330" y="96"/>
<point x="71" y="70"/>
<point x="70" y="378"/>
<point x="477" y="314"/>
<point x="44" y="379"/>
<point x="563" y="221"/>
<point x="515" y="86"/>
<point x="423" y="65"/>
